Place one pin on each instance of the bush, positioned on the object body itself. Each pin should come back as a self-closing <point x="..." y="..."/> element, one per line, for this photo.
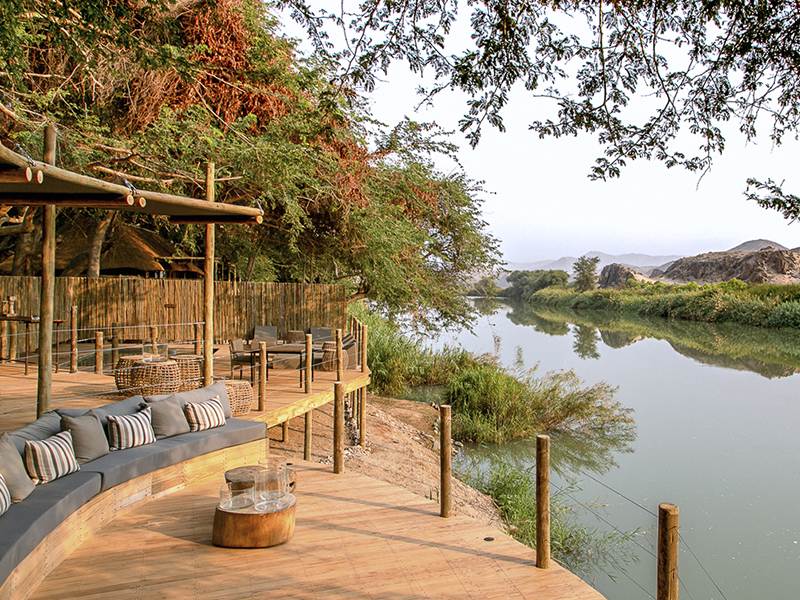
<point x="786" y="314"/>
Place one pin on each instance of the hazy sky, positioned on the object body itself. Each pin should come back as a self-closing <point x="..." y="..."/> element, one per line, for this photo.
<point x="541" y="205"/>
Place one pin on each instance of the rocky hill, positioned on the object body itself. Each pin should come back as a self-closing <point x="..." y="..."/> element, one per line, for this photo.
<point x="616" y="276"/>
<point x="769" y="265"/>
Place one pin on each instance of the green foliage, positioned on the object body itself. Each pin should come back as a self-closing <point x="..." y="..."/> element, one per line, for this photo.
<point x="526" y="283"/>
<point x="585" y="271"/>
<point x="582" y="549"/>
<point x="492" y="405"/>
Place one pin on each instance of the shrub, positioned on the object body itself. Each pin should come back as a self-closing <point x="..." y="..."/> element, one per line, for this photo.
<point x="786" y="314"/>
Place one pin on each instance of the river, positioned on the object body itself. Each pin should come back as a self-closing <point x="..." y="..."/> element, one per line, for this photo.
<point x="717" y="412"/>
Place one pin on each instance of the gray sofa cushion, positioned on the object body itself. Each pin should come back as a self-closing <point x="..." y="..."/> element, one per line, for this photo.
<point x="88" y="438"/>
<point x="13" y="469"/>
<point x="42" y="428"/>
<point x="129" y="406"/>
<point x="168" y="418"/>
<point x="121" y="466"/>
<point x="26" y="524"/>
<point x="200" y="395"/>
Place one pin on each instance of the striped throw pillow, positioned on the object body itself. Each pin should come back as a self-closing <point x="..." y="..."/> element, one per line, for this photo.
<point x="204" y="415"/>
<point x="46" y="460"/>
<point x="128" y="431"/>
<point x="5" y="495"/>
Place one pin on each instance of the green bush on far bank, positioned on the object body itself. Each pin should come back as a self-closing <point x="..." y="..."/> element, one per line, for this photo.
<point x="732" y="301"/>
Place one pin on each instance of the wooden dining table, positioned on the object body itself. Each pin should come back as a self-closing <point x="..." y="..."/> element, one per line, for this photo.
<point x="291" y="349"/>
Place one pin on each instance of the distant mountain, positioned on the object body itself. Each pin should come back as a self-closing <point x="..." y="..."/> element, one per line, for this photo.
<point x="643" y="263"/>
<point x="756" y="245"/>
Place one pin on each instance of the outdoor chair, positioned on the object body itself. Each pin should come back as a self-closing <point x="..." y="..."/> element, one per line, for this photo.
<point x="265" y="333"/>
<point x="321" y="334"/>
<point x="239" y="358"/>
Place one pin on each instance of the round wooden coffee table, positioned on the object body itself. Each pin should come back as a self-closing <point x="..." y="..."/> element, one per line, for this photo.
<point x="249" y="528"/>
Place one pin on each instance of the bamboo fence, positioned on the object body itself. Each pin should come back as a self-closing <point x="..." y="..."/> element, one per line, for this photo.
<point x="133" y="305"/>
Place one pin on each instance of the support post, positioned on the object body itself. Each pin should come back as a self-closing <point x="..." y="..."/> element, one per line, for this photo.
<point x="543" y="501"/>
<point x="154" y="339"/>
<point x="338" y="427"/>
<point x="114" y="345"/>
<point x="198" y="339"/>
<point x="98" y="351"/>
<point x="445" y="463"/>
<point x="47" y="298"/>
<point x="309" y="362"/>
<point x="12" y="340"/>
<point x="73" y="340"/>
<point x="364" y="349"/>
<point x="285" y="431"/>
<point x="362" y="418"/>
<point x="339" y="357"/>
<point x="667" y="584"/>
<point x="262" y="376"/>
<point x="307" y="435"/>
<point x="208" y="305"/>
<point x="3" y="340"/>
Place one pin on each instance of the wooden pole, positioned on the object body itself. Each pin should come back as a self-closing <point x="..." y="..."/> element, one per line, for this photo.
<point x="12" y="340"/>
<point x="445" y="463"/>
<point x="667" y="584"/>
<point x="362" y="417"/>
<point x="543" y="501"/>
<point x="154" y="339"/>
<point x="114" y="345"/>
<point x="262" y="376"/>
<point x="309" y="362"/>
<point x="307" y="435"/>
<point x="364" y="349"/>
<point x="3" y="340"/>
<point x="338" y="427"/>
<point x="73" y="339"/>
<point x="98" y="351"/>
<point x="339" y="358"/>
<point x="285" y="431"/>
<point x="47" y="298"/>
<point x="198" y="339"/>
<point x="208" y="306"/>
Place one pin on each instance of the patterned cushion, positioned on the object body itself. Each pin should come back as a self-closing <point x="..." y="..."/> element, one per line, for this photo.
<point x="205" y="415"/>
<point x="50" y="459"/>
<point x="127" y="431"/>
<point x="5" y="496"/>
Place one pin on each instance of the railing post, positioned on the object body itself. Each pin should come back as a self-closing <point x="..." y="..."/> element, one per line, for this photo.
<point x="3" y="340"/>
<point x="364" y="349"/>
<point x="154" y="339"/>
<point x="338" y="426"/>
<point x="98" y="351"/>
<point x="667" y="583"/>
<point x="445" y="463"/>
<point x="73" y="340"/>
<point x="198" y="339"/>
<point x="339" y="358"/>
<point x="307" y="435"/>
<point x="543" y="501"/>
<point x="262" y="376"/>
<point x="114" y="345"/>
<point x="309" y="362"/>
<point x="362" y="417"/>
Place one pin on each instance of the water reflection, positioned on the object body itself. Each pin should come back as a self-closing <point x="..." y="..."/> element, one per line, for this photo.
<point x="769" y="352"/>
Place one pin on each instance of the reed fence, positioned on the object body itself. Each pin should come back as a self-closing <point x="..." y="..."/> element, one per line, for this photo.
<point x="127" y="304"/>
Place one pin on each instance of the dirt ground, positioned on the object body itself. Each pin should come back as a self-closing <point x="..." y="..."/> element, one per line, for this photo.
<point x="402" y="448"/>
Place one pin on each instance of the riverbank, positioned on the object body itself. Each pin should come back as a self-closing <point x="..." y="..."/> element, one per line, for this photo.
<point x="402" y="449"/>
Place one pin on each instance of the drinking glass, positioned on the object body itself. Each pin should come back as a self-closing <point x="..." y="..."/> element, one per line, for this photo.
<point x="236" y="496"/>
<point x="271" y="482"/>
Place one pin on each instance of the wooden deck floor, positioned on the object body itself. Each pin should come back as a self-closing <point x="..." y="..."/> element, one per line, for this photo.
<point x="355" y="537"/>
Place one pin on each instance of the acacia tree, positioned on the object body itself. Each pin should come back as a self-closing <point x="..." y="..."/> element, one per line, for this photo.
<point x="700" y="65"/>
<point x="149" y="91"/>
<point x="585" y="271"/>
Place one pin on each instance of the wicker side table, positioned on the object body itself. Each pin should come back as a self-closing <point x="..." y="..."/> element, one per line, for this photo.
<point x="155" y="376"/>
<point x="329" y="357"/>
<point x="123" y="372"/>
<point x="240" y="396"/>
<point x="189" y="367"/>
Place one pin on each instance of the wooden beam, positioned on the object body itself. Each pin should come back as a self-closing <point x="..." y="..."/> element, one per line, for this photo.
<point x="222" y="219"/>
<point x="208" y="305"/>
<point x="26" y="175"/>
<point x="72" y="200"/>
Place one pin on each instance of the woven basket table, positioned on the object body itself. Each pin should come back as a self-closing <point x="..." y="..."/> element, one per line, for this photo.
<point x="329" y="357"/>
<point x="123" y="372"/>
<point x="240" y="396"/>
<point x="155" y="376"/>
<point x="189" y="368"/>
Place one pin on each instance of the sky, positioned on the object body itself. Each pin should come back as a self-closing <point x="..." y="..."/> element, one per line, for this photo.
<point x="541" y="205"/>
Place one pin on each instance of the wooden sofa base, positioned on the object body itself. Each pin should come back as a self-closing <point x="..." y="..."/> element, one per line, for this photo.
<point x="104" y="507"/>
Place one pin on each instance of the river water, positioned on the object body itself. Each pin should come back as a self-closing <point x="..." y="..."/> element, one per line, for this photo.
<point x="717" y="411"/>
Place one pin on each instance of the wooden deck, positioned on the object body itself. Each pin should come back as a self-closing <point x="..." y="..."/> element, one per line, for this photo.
<point x="355" y="537"/>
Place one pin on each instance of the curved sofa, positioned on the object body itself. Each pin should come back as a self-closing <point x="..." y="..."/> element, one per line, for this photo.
<point x="112" y="482"/>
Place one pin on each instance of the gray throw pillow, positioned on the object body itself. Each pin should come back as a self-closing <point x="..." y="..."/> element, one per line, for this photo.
<point x="128" y="406"/>
<point x="199" y="395"/>
<point x="42" y="428"/>
<point x="88" y="438"/>
<point x="168" y="418"/>
<point x="13" y="470"/>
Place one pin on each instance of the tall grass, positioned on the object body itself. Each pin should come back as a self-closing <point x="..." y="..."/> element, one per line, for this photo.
<point x="584" y="550"/>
